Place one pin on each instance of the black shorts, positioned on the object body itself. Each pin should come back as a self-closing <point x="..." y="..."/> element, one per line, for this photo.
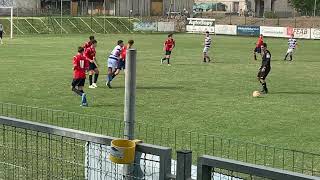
<point x="121" y="65"/>
<point x="168" y="53"/>
<point x="78" y="82"/>
<point x="1" y="34"/>
<point x="92" y="66"/>
<point x="263" y="75"/>
<point x="257" y="50"/>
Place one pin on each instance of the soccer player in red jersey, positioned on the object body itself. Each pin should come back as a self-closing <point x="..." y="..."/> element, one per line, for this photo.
<point x="123" y="55"/>
<point x="89" y="43"/>
<point x="80" y="65"/>
<point x="258" y="46"/>
<point x="169" y="44"/>
<point x="90" y="53"/>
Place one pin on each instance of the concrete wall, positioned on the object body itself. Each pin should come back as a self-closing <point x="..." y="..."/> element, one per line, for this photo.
<point x="28" y="4"/>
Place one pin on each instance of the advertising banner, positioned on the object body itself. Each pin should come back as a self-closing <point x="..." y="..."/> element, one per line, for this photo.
<point x="248" y="30"/>
<point x="303" y="33"/>
<point x="273" y="31"/>
<point x="145" y="26"/>
<point x="200" y="25"/>
<point x="166" y="27"/>
<point x="226" y="29"/>
<point x="315" y="33"/>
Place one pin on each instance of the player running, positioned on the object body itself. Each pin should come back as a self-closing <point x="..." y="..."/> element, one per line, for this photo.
<point x="265" y="68"/>
<point x="207" y="45"/>
<point x="292" y="46"/>
<point x="113" y="62"/>
<point x="90" y="53"/>
<point x="89" y="43"/>
<point x="258" y="47"/>
<point x="1" y="32"/>
<point x="168" y="46"/>
<point x="123" y="55"/>
<point x="80" y="65"/>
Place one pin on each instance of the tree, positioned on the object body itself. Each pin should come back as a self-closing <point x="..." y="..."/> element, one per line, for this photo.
<point x="305" y="7"/>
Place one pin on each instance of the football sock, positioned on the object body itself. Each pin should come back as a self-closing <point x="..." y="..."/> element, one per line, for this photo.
<point x="290" y="57"/>
<point x="77" y="91"/>
<point x="255" y="57"/>
<point x="90" y="80"/>
<point x="286" y="56"/>
<point x="110" y="77"/>
<point x="164" y="59"/>
<point x="168" y="60"/>
<point x="264" y="85"/>
<point x="113" y="76"/>
<point x="95" y="78"/>
<point x="204" y="60"/>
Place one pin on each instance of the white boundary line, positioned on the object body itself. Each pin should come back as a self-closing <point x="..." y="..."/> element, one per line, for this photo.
<point x="32" y="26"/>
<point x="87" y="25"/>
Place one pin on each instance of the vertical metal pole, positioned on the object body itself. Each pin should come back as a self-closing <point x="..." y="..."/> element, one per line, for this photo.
<point x="315" y="8"/>
<point x="129" y="103"/>
<point x="11" y="23"/>
<point x="104" y="19"/>
<point x="130" y="94"/>
<point x="61" y="17"/>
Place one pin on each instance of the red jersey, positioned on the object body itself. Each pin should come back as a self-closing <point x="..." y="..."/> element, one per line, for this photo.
<point x="169" y="44"/>
<point x="124" y="53"/>
<point x="260" y="42"/>
<point x="80" y="65"/>
<point x="90" y="53"/>
<point x="87" y="45"/>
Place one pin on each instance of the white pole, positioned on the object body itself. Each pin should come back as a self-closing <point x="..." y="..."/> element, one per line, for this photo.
<point x="11" y="23"/>
<point x="61" y="17"/>
<point x="315" y="8"/>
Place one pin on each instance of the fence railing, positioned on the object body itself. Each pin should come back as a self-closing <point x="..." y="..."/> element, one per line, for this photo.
<point x="36" y="151"/>
<point x="208" y="166"/>
<point x="200" y="143"/>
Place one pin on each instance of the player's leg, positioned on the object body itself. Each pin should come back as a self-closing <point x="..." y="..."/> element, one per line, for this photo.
<point x="262" y="78"/>
<point x="287" y="54"/>
<point x="109" y="77"/>
<point x="91" y="72"/>
<point x="291" y="54"/>
<point x="83" y="96"/>
<point x="168" y="56"/>
<point x="74" y="87"/>
<point x="164" y="58"/>
<point x="254" y="54"/>
<point x="96" y="75"/>
<point x="1" y="37"/>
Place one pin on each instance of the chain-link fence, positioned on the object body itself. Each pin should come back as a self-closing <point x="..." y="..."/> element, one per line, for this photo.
<point x="199" y="143"/>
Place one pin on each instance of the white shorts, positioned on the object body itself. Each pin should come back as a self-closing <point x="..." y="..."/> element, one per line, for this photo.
<point x="205" y="49"/>
<point x="290" y="51"/>
<point x="112" y="63"/>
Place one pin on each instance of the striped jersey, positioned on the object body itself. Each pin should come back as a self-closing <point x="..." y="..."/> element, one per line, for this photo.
<point x="292" y="43"/>
<point x="115" y="54"/>
<point x="207" y="42"/>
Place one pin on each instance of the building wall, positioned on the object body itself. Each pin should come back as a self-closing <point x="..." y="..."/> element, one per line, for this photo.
<point x="229" y="3"/>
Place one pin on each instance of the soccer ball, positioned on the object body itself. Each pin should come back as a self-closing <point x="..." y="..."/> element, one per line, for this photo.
<point x="256" y="94"/>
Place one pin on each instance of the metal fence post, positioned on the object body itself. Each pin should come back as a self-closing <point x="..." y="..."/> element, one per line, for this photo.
<point x="130" y="103"/>
<point x="184" y="163"/>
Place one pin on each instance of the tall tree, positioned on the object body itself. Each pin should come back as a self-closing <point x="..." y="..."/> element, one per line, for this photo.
<point x="305" y="7"/>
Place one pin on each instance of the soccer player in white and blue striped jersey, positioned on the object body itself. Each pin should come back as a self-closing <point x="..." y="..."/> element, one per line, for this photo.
<point x="292" y="46"/>
<point x="207" y="45"/>
<point x="113" y="62"/>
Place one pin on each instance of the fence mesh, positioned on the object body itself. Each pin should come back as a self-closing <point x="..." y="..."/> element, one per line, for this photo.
<point x="199" y="143"/>
<point x="26" y="154"/>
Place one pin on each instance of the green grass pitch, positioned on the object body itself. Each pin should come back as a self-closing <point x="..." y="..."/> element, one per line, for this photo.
<point x="214" y="98"/>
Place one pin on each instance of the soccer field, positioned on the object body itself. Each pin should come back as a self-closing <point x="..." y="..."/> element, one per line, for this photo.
<point x="210" y="98"/>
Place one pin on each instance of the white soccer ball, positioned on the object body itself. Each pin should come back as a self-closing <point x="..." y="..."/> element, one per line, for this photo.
<point x="256" y="94"/>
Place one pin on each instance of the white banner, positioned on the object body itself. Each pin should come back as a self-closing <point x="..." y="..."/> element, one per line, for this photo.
<point x="274" y="31"/>
<point x="315" y="33"/>
<point x="166" y="26"/>
<point x="200" y="25"/>
<point x="226" y="29"/>
<point x="303" y="33"/>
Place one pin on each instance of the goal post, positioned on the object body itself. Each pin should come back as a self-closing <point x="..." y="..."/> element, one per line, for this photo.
<point x="11" y="19"/>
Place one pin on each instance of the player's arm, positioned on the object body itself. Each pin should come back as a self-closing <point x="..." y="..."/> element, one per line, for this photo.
<point x="265" y="63"/>
<point x="173" y="45"/>
<point x="75" y="63"/>
<point x="164" y="45"/>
